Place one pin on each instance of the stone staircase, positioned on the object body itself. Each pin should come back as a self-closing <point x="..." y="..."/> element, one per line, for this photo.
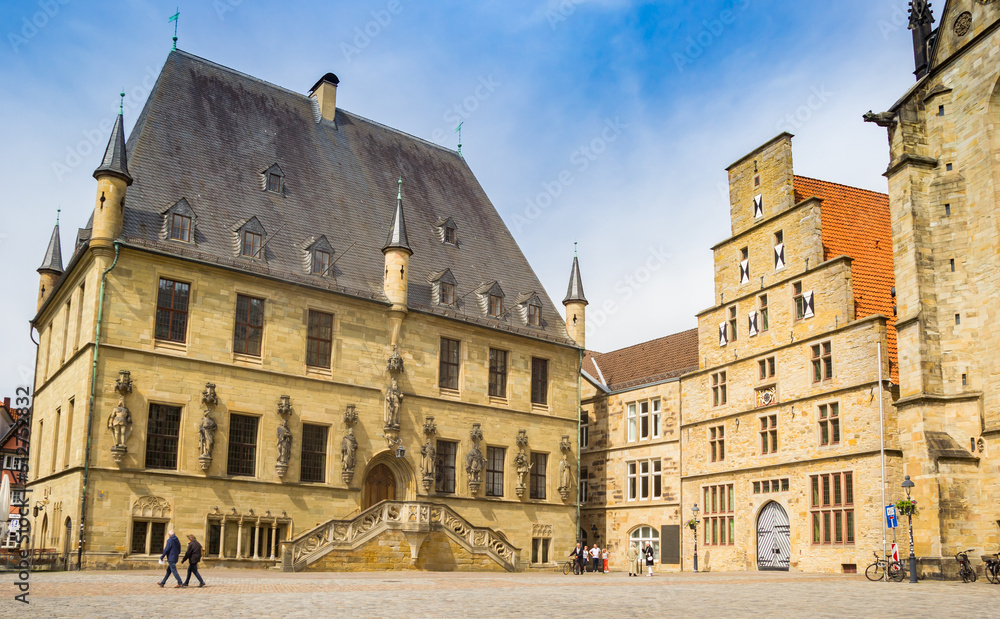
<point x="415" y="520"/>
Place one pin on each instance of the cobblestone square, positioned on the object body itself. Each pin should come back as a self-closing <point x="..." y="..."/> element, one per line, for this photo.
<point x="240" y="593"/>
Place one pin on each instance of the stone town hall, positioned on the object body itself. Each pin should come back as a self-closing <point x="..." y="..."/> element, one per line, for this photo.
<point x="227" y="353"/>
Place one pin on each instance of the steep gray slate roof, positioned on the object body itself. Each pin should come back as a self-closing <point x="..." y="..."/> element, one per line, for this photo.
<point x="115" y="159"/>
<point x="574" y="292"/>
<point x="206" y="135"/>
<point x="53" y="254"/>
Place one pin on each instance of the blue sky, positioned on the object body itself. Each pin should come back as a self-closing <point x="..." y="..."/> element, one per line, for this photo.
<point x="607" y="122"/>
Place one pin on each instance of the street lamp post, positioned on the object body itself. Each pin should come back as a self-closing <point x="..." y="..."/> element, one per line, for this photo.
<point x="908" y="487"/>
<point x="694" y="510"/>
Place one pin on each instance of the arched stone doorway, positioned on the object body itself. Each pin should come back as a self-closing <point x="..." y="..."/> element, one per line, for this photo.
<point x="67" y="541"/>
<point x="774" y="546"/>
<point x="42" y="542"/>
<point x="380" y="485"/>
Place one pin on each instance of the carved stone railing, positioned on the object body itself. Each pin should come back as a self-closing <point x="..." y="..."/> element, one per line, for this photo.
<point x="415" y="519"/>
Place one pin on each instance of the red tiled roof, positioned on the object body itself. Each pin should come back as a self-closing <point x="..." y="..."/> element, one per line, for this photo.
<point x="648" y="362"/>
<point x="856" y="223"/>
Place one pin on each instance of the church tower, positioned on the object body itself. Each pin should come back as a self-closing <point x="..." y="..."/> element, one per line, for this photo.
<point x="113" y="179"/>
<point x="52" y="267"/>
<point x="576" y="306"/>
<point x="397" y="262"/>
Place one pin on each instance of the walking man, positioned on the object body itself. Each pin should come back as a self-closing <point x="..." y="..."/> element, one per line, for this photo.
<point x="595" y="555"/>
<point x="193" y="555"/>
<point x="578" y="557"/>
<point x="633" y="557"/>
<point x="171" y="551"/>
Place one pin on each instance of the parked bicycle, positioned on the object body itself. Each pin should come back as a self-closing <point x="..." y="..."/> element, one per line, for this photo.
<point x="571" y="566"/>
<point x="876" y="571"/>
<point x="965" y="571"/>
<point x="992" y="568"/>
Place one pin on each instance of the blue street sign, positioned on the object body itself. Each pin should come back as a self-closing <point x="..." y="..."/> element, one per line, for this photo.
<point x="890" y="517"/>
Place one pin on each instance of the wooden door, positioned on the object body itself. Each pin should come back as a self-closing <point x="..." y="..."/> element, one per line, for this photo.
<point x="380" y="485"/>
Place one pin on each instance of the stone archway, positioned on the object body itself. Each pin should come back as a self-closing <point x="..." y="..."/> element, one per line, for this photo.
<point x="387" y="477"/>
<point x="380" y="485"/>
<point x="774" y="547"/>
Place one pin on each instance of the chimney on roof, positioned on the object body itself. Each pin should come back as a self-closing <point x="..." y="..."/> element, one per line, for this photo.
<point x="325" y="93"/>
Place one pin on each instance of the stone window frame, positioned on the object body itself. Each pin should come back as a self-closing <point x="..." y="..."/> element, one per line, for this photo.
<point x="148" y="534"/>
<point x="444" y="483"/>
<point x="717" y="442"/>
<point x="829" y="424"/>
<point x="584" y="489"/>
<point x="249" y="327"/>
<point x="494" y="475"/>
<point x="444" y="378"/>
<point x="538" y="481"/>
<point x="540" y="383"/>
<point x="148" y="510"/>
<point x="821" y="361"/>
<point x="315" y="358"/>
<point x="498" y="378"/>
<point x="767" y="368"/>
<point x="254" y="460"/>
<point x="308" y="455"/>
<point x="732" y="320"/>
<point x="165" y="438"/>
<point x="719" y="388"/>
<point x="832" y="495"/>
<point x="540" y="549"/>
<point x="171" y="311"/>
<point x="644" y="479"/>
<point x="584" y="429"/>
<point x="719" y="509"/>
<point x="767" y="486"/>
<point x="768" y="433"/>
<point x="762" y="312"/>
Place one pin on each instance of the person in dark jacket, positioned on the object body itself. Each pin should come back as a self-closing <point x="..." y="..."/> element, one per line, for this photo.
<point x="193" y="555"/>
<point x="171" y="552"/>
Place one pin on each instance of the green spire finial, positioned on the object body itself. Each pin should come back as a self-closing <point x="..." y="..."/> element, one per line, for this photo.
<point x="574" y="249"/>
<point x="399" y="195"/>
<point x="58" y="210"/>
<point x="458" y="130"/>
<point x="121" y="103"/>
<point x="174" y="18"/>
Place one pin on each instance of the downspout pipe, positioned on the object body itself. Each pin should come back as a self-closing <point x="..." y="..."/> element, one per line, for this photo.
<point x="90" y="414"/>
<point x="579" y="447"/>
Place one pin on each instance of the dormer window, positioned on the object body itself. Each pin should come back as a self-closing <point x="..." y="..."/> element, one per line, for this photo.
<point x="496" y="305"/>
<point x="447" y="293"/>
<point x="320" y="262"/>
<point x="534" y="315"/>
<point x="449" y="236"/>
<point x="274" y="180"/>
<point x="447" y="231"/>
<point x="179" y="222"/>
<point x="491" y="299"/>
<point x="251" y="244"/>
<point x="180" y="228"/>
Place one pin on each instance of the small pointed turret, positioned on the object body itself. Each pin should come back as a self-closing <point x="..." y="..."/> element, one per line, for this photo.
<point x="52" y="266"/>
<point x="922" y="25"/>
<point x="397" y="231"/>
<point x="113" y="179"/>
<point x="576" y="305"/>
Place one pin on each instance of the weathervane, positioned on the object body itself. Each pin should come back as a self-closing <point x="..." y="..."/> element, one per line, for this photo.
<point x="173" y="18"/>
<point x="458" y="130"/>
<point x="121" y="102"/>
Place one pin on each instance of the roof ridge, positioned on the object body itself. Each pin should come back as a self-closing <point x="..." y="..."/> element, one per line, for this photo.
<point x="394" y="130"/>
<point x="656" y="339"/>
<point x="819" y="180"/>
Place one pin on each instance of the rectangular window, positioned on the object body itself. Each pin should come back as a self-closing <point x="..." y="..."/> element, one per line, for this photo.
<point x="584" y="430"/>
<point x="799" y="300"/>
<point x="584" y="485"/>
<point x="498" y="373"/>
<point x="242" y="445"/>
<point x="766" y="368"/>
<point x="180" y="228"/>
<point x="718" y="389"/>
<point x="495" y="305"/>
<point x="632" y="481"/>
<point x="539" y="381"/>
<point x="140" y="529"/>
<point x="822" y="361"/>
<point x="319" y="339"/>
<point x="768" y="434"/>
<point x="732" y="324"/>
<point x="538" y="462"/>
<point x="631" y="422"/>
<point x="448" y="371"/>
<point x="161" y="436"/>
<point x="762" y="308"/>
<point x="657" y="479"/>
<point x="449" y="235"/>
<point x="779" y="250"/>
<point x="274" y="182"/>
<point x="656" y="419"/>
<point x="829" y="424"/>
<point x="719" y="515"/>
<point x="643" y="420"/>
<point x="172" y="310"/>
<point x="321" y="262"/>
<point x="540" y="549"/>
<point x="717" y="442"/>
<point x="446" y="454"/>
<point x="249" y="325"/>
<point x="833" y="516"/>
<point x="534" y="315"/>
<point x="313" y="453"/>
<point x="644" y="480"/>
<point x="251" y="244"/>
<point x="494" y="470"/>
<point x="447" y="293"/>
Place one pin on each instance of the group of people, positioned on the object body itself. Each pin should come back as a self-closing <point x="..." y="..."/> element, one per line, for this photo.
<point x="172" y="551"/>
<point x="597" y="558"/>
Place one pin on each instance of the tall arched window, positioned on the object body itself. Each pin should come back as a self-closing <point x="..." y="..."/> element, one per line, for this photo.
<point x="645" y="534"/>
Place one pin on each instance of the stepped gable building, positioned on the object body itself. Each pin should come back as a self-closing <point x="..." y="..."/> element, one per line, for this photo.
<point x="943" y="173"/>
<point x="305" y="337"/>
<point x="630" y="471"/>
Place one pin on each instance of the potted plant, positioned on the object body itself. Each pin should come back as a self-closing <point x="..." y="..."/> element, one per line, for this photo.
<point x="693" y="524"/>
<point x="906" y="507"/>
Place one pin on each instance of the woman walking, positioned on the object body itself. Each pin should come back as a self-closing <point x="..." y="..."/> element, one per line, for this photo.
<point x="649" y="557"/>
<point x="604" y="555"/>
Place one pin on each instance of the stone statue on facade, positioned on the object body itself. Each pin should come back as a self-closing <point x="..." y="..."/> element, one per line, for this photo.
<point x="428" y="462"/>
<point x="120" y="424"/>
<point x="565" y="477"/>
<point x="206" y="434"/>
<point x="474" y="463"/>
<point x="523" y="467"/>
<point x="393" y="402"/>
<point x="284" y="447"/>
<point x="348" y="455"/>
